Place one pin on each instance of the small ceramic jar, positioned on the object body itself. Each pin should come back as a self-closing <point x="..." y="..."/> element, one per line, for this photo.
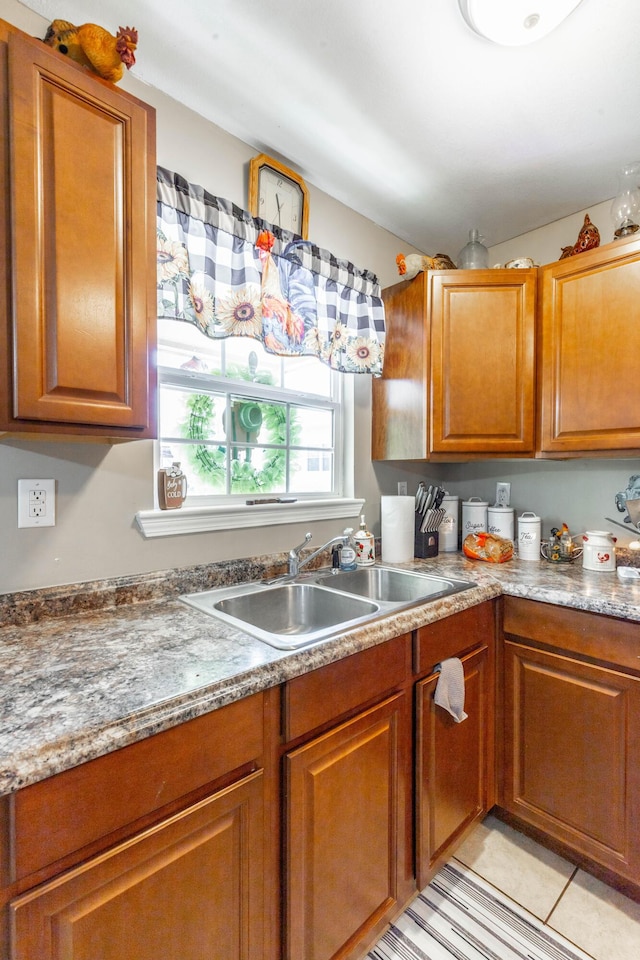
<point x="599" y="550"/>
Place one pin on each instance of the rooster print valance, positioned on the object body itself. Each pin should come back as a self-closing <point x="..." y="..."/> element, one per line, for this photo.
<point x="233" y="275"/>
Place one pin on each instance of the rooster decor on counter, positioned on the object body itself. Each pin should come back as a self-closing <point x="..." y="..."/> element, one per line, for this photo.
<point x="588" y="238"/>
<point x="94" y="47"/>
<point x="411" y="265"/>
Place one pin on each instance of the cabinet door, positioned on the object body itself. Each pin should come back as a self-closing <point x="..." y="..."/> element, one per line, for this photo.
<point x="572" y="754"/>
<point x="347" y="794"/>
<point x="188" y="889"/>
<point x="482" y="361"/>
<point x="400" y="397"/>
<point x="82" y="175"/>
<point x="590" y="342"/>
<point x="453" y="765"/>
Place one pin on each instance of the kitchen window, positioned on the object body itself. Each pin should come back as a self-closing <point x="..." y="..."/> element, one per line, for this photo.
<point x="247" y="425"/>
<point x="244" y="423"/>
<point x="257" y="329"/>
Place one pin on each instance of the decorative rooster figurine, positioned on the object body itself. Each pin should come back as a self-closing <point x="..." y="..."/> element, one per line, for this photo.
<point x="94" y="47"/>
<point x="414" y="263"/>
<point x="588" y="238"/>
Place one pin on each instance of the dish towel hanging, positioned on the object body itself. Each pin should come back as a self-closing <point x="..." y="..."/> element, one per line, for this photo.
<point x="450" y="688"/>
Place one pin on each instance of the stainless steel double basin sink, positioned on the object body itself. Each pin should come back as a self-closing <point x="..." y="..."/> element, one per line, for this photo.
<point x="296" y="612"/>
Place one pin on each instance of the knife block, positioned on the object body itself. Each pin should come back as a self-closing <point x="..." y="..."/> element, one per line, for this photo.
<point x="424" y="544"/>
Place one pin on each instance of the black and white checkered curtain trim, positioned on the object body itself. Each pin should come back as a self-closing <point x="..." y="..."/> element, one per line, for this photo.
<point x="196" y="202"/>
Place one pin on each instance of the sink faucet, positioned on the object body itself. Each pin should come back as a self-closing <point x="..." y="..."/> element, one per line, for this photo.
<point x="296" y="564"/>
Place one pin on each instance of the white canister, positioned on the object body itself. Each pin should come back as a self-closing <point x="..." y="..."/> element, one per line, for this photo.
<point x="474" y="516"/>
<point x="599" y="550"/>
<point x="529" y="527"/>
<point x="448" y="529"/>
<point x="500" y="520"/>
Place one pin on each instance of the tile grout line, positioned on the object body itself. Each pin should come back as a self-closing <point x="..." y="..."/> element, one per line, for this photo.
<point x="562" y="893"/>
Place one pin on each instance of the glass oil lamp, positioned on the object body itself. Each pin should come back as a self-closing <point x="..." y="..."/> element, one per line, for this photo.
<point x="625" y="209"/>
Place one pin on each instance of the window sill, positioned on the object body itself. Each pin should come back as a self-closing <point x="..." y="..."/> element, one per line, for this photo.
<point x="168" y="523"/>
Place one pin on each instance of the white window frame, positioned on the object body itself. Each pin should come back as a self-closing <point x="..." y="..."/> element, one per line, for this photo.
<point x="234" y="513"/>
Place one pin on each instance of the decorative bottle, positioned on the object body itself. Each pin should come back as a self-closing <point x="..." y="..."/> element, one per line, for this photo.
<point x="365" y="545"/>
<point x="474" y="255"/>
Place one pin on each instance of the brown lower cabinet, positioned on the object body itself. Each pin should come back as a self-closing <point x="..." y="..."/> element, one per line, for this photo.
<point x="455" y="762"/>
<point x="188" y="888"/>
<point x="344" y="832"/>
<point x="571" y="764"/>
<point x="156" y="850"/>
<point x="348" y="866"/>
<point x="452" y="766"/>
<point x="278" y="826"/>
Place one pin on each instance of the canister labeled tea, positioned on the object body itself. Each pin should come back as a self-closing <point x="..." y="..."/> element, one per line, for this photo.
<point x="529" y="535"/>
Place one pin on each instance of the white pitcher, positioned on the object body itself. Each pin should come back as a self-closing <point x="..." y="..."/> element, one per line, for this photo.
<point x="599" y="550"/>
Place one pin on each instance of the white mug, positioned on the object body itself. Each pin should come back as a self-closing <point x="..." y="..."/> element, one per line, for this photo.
<point x="529" y="526"/>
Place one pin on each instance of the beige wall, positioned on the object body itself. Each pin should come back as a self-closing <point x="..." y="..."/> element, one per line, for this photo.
<point x="100" y="488"/>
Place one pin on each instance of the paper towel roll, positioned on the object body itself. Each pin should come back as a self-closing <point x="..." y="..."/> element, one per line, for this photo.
<point x="398" y="528"/>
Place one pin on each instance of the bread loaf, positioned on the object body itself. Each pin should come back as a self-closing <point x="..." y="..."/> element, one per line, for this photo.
<point x="485" y="546"/>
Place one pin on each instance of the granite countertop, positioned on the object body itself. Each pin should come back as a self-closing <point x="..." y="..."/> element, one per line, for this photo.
<point x="122" y="660"/>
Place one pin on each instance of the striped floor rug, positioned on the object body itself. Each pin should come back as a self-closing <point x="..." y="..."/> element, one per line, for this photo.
<point x="461" y="916"/>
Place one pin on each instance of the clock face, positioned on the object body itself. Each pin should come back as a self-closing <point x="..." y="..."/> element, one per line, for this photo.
<point x="280" y="200"/>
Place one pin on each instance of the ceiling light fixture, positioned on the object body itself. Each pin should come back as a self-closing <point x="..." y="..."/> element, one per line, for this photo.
<point x="513" y="23"/>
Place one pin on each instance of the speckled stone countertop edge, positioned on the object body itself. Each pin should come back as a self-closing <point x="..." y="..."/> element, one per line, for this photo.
<point x="56" y="741"/>
<point x="54" y="744"/>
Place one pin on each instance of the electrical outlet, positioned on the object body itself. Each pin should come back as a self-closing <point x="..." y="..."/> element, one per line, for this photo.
<point x="503" y="494"/>
<point x="36" y="503"/>
<point x="402" y="488"/>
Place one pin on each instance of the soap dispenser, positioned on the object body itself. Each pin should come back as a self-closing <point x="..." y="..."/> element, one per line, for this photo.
<point x="365" y="545"/>
<point x="348" y="553"/>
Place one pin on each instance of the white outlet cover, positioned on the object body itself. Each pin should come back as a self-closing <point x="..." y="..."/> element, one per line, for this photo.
<point x="41" y="493"/>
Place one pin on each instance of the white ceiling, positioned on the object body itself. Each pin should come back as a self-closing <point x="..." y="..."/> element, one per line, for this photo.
<point x="398" y="109"/>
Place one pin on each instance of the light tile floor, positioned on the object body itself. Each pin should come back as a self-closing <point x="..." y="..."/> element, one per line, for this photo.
<point x="599" y="920"/>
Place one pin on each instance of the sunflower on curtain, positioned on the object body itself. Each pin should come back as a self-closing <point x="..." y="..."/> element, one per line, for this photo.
<point x="233" y="275"/>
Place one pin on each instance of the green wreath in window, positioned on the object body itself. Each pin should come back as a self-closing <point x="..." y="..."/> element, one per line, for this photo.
<point x="248" y="419"/>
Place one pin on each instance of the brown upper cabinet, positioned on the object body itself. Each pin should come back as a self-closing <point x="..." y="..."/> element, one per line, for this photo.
<point x="459" y="371"/>
<point x="589" y="383"/>
<point x="77" y="235"/>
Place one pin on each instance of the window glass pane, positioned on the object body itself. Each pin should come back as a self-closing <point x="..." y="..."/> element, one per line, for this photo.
<point x="183" y="346"/>
<point x="311" y="471"/>
<point x="246" y="359"/>
<point x="255" y="421"/>
<point x="203" y="465"/>
<point x="260" y="470"/>
<point x="311" y="427"/>
<point x="194" y="416"/>
<point x="307" y="375"/>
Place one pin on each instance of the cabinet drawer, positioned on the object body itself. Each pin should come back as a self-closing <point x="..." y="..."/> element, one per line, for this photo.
<point x="65" y="813"/>
<point x="334" y="690"/>
<point x="590" y="635"/>
<point x="190" y="886"/>
<point x="453" y="636"/>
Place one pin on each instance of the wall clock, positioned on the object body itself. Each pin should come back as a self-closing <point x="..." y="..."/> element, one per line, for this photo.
<point x="278" y="194"/>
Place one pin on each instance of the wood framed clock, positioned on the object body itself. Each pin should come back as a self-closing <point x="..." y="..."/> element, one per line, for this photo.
<point x="278" y="194"/>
